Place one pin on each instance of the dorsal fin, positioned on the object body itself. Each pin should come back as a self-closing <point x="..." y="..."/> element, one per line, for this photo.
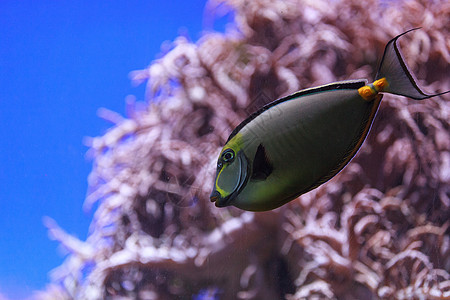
<point x="341" y="85"/>
<point x="262" y="167"/>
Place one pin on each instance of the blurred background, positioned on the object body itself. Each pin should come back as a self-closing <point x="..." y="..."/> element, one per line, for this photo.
<point x="60" y="61"/>
<point x="378" y="230"/>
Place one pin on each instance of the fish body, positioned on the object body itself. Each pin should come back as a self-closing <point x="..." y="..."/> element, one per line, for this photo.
<point x="294" y="144"/>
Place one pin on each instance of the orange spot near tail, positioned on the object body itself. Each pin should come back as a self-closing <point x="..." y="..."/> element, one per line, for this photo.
<point x="380" y="84"/>
<point x="366" y="92"/>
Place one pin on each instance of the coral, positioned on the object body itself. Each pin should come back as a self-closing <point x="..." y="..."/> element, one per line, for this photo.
<point x="378" y="230"/>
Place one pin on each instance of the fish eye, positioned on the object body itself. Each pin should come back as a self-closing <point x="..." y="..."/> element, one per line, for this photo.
<point x="228" y="155"/>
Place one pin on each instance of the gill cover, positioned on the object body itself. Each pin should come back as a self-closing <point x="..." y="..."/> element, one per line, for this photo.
<point x="232" y="174"/>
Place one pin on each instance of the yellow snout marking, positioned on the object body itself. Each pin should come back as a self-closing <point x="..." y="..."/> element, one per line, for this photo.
<point x="218" y="189"/>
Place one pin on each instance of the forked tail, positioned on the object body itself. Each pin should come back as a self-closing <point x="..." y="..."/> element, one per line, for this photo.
<point x="399" y="80"/>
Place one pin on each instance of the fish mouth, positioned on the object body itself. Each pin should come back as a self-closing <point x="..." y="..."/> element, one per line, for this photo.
<point x="243" y="178"/>
<point x="219" y="200"/>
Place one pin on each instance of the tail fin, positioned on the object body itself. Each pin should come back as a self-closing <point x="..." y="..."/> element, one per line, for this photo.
<point x="400" y="80"/>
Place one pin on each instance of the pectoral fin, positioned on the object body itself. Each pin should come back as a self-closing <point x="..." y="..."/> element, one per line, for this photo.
<point x="262" y="167"/>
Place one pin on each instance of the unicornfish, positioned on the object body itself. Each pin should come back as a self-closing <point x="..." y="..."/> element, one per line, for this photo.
<point x="296" y="143"/>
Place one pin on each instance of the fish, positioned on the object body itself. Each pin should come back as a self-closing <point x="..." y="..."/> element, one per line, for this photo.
<point x="296" y="143"/>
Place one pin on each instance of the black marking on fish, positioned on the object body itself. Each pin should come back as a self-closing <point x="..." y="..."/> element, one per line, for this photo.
<point x="262" y="167"/>
<point x="343" y="85"/>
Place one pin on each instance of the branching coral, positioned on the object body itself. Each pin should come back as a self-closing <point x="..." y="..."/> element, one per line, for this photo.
<point x="379" y="230"/>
